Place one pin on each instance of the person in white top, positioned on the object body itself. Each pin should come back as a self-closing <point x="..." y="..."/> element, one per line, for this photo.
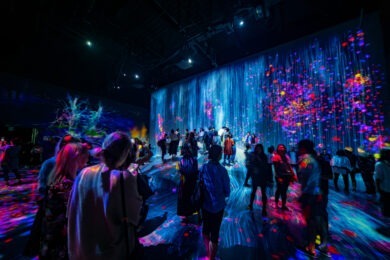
<point x="382" y="178"/>
<point x="105" y="205"/>
<point x="341" y="165"/>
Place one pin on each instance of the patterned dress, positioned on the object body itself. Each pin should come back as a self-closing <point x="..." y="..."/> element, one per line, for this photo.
<point x="54" y="226"/>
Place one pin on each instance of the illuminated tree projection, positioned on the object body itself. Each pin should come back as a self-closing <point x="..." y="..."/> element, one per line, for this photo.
<point x="330" y="91"/>
<point x="77" y="118"/>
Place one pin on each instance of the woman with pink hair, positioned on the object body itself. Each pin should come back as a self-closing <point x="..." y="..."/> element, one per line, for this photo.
<point x="70" y="159"/>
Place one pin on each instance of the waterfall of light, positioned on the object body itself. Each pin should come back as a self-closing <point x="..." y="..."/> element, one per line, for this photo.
<point x="326" y="89"/>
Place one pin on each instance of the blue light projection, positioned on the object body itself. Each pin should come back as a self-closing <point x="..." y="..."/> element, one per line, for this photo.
<point x="328" y="88"/>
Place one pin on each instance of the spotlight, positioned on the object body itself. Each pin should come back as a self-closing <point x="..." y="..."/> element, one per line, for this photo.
<point x="238" y="22"/>
<point x="136" y="76"/>
<point x="189" y="60"/>
<point x="88" y="43"/>
<point x="118" y="87"/>
<point x="124" y="74"/>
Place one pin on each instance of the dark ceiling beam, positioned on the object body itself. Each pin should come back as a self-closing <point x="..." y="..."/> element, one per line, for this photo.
<point x="167" y="14"/>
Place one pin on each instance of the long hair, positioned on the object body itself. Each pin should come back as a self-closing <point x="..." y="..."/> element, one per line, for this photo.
<point x="66" y="139"/>
<point x="68" y="161"/>
<point x="283" y="156"/>
<point x="117" y="147"/>
<point x="259" y="146"/>
<point x="262" y="154"/>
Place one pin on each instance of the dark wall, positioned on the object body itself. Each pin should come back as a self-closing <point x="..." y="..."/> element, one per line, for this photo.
<point x="25" y="103"/>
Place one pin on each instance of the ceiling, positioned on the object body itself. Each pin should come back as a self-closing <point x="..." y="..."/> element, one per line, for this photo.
<point x="47" y="39"/>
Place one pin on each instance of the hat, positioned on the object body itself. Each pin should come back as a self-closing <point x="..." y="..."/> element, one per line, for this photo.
<point x="348" y="148"/>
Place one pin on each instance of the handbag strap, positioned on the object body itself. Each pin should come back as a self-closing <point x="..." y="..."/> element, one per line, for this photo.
<point x="124" y="219"/>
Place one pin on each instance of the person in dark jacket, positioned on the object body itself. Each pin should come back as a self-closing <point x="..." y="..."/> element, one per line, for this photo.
<point x="284" y="174"/>
<point x="193" y="144"/>
<point x="216" y="190"/>
<point x="162" y="143"/>
<point x="10" y="160"/>
<point x="353" y="160"/>
<point x="262" y="175"/>
<point x="366" y="163"/>
<point x="188" y="169"/>
<point x="382" y="180"/>
<point x="311" y="199"/>
<point x="249" y="171"/>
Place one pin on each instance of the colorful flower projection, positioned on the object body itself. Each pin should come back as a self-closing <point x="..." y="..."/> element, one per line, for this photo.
<point x="327" y="89"/>
<point x="77" y="118"/>
<point x="324" y="95"/>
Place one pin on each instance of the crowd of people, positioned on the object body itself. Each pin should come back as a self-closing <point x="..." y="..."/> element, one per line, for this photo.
<point x="199" y="142"/>
<point x="79" y="181"/>
<point x="280" y="167"/>
<point x="82" y="187"/>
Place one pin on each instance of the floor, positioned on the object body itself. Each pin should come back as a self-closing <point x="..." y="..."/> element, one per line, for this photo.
<point x="357" y="229"/>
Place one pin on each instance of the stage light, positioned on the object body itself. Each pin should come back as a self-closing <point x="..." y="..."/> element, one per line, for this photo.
<point x="118" y="87"/>
<point x="189" y="60"/>
<point x="241" y="23"/>
<point x="88" y="43"/>
<point x="136" y="76"/>
<point x="124" y="74"/>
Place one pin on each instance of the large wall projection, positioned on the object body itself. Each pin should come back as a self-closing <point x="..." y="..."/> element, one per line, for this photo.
<point x="329" y="87"/>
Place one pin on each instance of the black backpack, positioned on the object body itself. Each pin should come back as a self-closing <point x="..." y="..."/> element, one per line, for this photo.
<point x="326" y="168"/>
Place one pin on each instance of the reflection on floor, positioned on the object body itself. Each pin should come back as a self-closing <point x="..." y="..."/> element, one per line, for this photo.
<point x="357" y="229"/>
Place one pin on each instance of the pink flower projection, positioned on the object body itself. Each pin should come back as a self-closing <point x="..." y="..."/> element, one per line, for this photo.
<point x="327" y="95"/>
<point x="208" y="109"/>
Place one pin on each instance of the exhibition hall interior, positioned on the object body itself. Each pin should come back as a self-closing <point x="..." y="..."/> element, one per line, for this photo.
<point x="195" y="129"/>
